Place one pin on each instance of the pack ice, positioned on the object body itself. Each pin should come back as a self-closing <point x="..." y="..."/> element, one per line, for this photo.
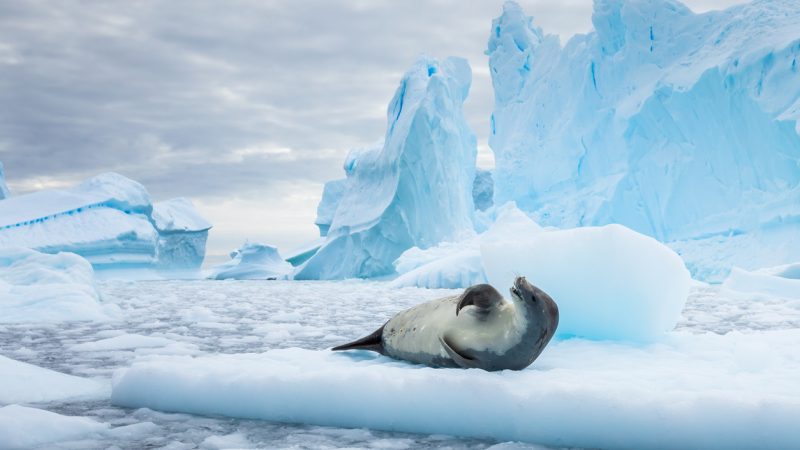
<point x="111" y="221"/>
<point x="414" y="189"/>
<point x="678" y="125"/>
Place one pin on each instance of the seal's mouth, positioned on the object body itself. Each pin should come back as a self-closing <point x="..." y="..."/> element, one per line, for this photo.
<point x="518" y="287"/>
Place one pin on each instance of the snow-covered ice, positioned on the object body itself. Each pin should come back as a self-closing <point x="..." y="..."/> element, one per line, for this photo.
<point x="23" y="427"/>
<point x="732" y="338"/>
<point x="21" y="382"/>
<point x="253" y="261"/>
<point x="671" y="395"/>
<point x="40" y="287"/>
<point x="111" y="221"/>
<point x="609" y="282"/>
<point x="681" y="126"/>
<point x="781" y="281"/>
<point x="413" y="190"/>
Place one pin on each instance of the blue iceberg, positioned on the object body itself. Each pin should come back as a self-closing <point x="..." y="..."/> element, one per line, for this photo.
<point x="678" y="125"/>
<point x="3" y="188"/>
<point x="253" y="261"/>
<point x="414" y="190"/>
<point x="111" y="221"/>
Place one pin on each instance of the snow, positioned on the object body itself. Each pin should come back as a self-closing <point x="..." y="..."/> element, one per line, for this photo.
<point x="39" y="287"/>
<point x="678" y="125"/>
<point x="253" y="261"/>
<point x="3" y="188"/>
<point x="609" y="282"/>
<point x="23" y="427"/>
<point x="415" y="189"/>
<point x="111" y="221"/>
<point x="688" y="392"/>
<point x="25" y="383"/>
<point x="782" y="281"/>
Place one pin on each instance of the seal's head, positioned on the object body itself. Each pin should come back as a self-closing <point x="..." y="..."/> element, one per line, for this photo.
<point x="533" y="296"/>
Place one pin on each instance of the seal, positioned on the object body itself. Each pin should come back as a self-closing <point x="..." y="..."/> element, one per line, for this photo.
<point x="477" y="329"/>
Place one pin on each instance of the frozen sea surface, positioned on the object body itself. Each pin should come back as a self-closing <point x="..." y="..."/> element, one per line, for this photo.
<point x="209" y="317"/>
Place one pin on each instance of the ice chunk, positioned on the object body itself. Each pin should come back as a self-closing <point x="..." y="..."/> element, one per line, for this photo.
<point x="23" y="427"/>
<point x="609" y="282"/>
<point x="678" y="125"/>
<point x="39" y="287"/>
<point x="182" y="234"/>
<point x="123" y="342"/>
<point x="782" y="281"/>
<point x="3" y="188"/>
<point x="25" y="383"/>
<point x="483" y="190"/>
<point x="178" y="215"/>
<point x="458" y="264"/>
<point x="685" y="392"/>
<point x="415" y="190"/>
<point x="110" y="220"/>
<point x="253" y="261"/>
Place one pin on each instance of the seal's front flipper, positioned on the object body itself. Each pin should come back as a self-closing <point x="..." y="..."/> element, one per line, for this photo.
<point x="373" y="342"/>
<point x="462" y="360"/>
<point x="482" y="296"/>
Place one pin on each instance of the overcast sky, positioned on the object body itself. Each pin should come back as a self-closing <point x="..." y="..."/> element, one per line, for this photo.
<point x="245" y="107"/>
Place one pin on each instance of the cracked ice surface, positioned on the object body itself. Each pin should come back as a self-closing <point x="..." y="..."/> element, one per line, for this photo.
<point x="211" y="317"/>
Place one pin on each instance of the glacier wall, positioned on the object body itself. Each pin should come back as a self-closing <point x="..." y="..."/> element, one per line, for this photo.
<point x="111" y="221"/>
<point x="415" y="189"/>
<point x="678" y="125"/>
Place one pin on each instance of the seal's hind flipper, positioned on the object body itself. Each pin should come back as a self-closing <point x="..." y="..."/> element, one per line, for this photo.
<point x="373" y="342"/>
<point x="463" y="361"/>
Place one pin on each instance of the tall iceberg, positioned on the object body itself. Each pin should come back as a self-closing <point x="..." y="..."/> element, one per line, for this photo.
<point x="678" y="125"/>
<point x="3" y="188"/>
<point x="415" y="189"/>
<point x="111" y="221"/>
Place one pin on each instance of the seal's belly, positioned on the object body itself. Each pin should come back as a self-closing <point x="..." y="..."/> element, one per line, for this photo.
<point x="414" y="334"/>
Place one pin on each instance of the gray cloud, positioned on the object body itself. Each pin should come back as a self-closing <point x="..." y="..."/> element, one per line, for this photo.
<point x="215" y="100"/>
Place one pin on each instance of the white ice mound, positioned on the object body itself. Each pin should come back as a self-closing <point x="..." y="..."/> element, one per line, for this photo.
<point x="25" y="383"/>
<point x="452" y="265"/>
<point x="678" y="125"/>
<point x="781" y="281"/>
<point x="253" y="261"/>
<point x="40" y="287"/>
<point x="111" y="221"/>
<point x="609" y="282"/>
<point x="23" y="427"/>
<point x="684" y="393"/>
<point x="3" y="188"/>
<point x="415" y="189"/>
